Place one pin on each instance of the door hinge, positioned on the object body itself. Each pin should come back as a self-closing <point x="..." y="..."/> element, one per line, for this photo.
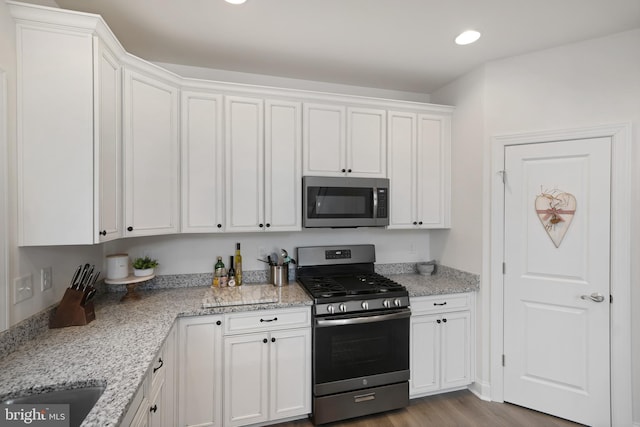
<point x="504" y="268"/>
<point x="610" y="299"/>
<point x="503" y="174"/>
<point x="503" y="360"/>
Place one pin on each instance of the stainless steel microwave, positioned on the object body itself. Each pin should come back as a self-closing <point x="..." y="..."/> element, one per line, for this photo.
<point x="344" y="202"/>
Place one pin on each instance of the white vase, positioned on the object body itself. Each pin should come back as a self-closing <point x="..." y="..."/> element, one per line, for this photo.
<point x="145" y="272"/>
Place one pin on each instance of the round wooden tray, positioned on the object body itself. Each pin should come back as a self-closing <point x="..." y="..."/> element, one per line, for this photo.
<point x="131" y="282"/>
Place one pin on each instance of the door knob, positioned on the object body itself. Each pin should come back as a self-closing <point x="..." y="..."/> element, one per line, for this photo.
<point x="595" y="297"/>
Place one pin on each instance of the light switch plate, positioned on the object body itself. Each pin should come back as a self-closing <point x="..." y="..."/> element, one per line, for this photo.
<point x="22" y="288"/>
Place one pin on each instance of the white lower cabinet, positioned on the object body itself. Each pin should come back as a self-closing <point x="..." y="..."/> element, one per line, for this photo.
<point x="266" y="376"/>
<point x="153" y="404"/>
<point x="244" y="368"/>
<point x="200" y="371"/>
<point x="267" y="366"/>
<point x="441" y="350"/>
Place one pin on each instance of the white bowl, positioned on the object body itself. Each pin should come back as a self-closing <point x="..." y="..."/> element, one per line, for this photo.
<point x="425" y="269"/>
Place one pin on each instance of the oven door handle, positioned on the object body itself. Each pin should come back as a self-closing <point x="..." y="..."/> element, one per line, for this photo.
<point x="363" y="319"/>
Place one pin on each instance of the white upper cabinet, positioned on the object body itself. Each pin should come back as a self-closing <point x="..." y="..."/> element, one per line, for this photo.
<point x="108" y="131"/>
<point x="324" y="140"/>
<point x="341" y="141"/>
<point x="202" y="163"/>
<point x="151" y="155"/>
<point x="111" y="146"/>
<point x="283" y="171"/>
<point x="66" y="188"/>
<point x="244" y="151"/>
<point x="262" y="164"/>
<point x="366" y="142"/>
<point x="419" y="170"/>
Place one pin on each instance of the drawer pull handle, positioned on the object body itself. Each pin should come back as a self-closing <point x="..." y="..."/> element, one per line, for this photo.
<point x="440" y="303"/>
<point x="269" y="320"/>
<point x="364" y="397"/>
<point x="161" y="364"/>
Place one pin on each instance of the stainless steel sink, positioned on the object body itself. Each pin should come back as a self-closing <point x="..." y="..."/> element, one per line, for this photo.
<point x="81" y="400"/>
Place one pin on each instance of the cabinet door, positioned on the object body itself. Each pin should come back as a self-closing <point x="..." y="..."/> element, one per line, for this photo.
<point x="108" y="131"/>
<point x="200" y="371"/>
<point x="244" y="153"/>
<point x="141" y="418"/>
<point x="151" y="155"/>
<point x="402" y="170"/>
<point x="366" y="142"/>
<point x="246" y="377"/>
<point x="55" y="144"/>
<point x="168" y="397"/>
<point x="324" y="140"/>
<point x="433" y="155"/>
<point x="156" y="408"/>
<point x="283" y="176"/>
<point x="456" y="349"/>
<point x="425" y="355"/>
<point x="290" y="372"/>
<point x="202" y="163"/>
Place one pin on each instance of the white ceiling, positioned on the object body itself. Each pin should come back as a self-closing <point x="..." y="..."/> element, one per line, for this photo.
<point x="404" y="45"/>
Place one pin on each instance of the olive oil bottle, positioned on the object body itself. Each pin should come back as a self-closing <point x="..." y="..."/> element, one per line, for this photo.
<point x="238" y="261"/>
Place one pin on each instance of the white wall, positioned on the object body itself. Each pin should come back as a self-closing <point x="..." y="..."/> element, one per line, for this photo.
<point x="273" y="81"/>
<point x="196" y="253"/>
<point x="462" y="246"/>
<point x="578" y="85"/>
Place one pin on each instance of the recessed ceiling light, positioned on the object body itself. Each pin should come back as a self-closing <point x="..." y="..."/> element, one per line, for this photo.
<point x="467" y="37"/>
<point x="235" y="1"/>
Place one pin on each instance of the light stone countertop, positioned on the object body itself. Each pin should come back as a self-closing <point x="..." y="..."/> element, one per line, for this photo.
<point x="118" y="347"/>
<point x="418" y="285"/>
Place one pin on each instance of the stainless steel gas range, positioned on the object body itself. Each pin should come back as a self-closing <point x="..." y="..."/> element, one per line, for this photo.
<point x="360" y="333"/>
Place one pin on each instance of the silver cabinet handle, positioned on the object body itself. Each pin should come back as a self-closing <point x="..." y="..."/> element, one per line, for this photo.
<point x="595" y="297"/>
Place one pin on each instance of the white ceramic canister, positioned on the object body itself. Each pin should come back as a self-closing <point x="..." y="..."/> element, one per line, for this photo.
<point x="117" y="266"/>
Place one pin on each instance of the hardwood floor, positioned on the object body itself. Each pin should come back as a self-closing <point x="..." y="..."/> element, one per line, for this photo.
<point x="455" y="409"/>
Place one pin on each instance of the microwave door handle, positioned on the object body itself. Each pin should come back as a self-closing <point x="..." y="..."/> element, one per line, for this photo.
<point x="375" y="203"/>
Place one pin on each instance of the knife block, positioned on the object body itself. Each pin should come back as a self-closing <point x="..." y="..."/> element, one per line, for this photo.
<point x="72" y="311"/>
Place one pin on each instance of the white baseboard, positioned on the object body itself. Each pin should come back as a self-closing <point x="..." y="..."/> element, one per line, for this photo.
<point x="482" y="390"/>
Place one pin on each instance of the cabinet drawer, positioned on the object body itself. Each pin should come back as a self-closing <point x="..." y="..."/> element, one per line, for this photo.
<point x="440" y="303"/>
<point x="255" y="321"/>
<point x="157" y="371"/>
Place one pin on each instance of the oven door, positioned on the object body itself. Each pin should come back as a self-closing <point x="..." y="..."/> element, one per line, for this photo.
<point x="362" y="351"/>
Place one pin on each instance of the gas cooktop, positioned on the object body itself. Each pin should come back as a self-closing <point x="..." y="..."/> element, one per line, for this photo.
<point x="341" y="279"/>
<point x="343" y="285"/>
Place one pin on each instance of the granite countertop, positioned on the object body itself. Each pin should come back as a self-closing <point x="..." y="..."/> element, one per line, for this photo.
<point x="118" y="347"/>
<point x="419" y="285"/>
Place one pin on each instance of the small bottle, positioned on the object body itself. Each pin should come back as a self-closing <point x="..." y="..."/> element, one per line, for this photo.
<point x="238" y="260"/>
<point x="217" y="272"/>
<point x="231" y="273"/>
<point x="224" y="278"/>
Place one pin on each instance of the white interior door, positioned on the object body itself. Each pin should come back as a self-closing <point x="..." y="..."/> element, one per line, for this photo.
<point x="556" y="337"/>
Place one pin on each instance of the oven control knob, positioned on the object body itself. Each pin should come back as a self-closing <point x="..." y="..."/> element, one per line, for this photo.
<point x="386" y="303"/>
<point x="343" y="307"/>
<point x="397" y="302"/>
<point x="365" y="305"/>
<point x="331" y="309"/>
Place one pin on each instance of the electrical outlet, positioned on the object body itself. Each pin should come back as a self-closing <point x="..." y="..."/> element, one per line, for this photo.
<point x="22" y="288"/>
<point x="46" y="278"/>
